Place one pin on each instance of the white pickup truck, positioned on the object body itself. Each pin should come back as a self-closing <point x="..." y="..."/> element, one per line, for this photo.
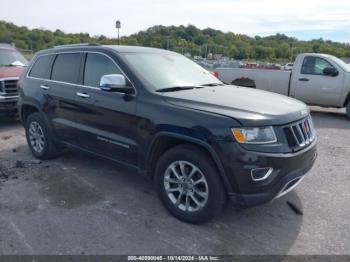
<point x="316" y="79"/>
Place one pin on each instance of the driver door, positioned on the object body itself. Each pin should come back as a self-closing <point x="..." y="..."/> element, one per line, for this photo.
<point x="106" y="121"/>
<point x="312" y="86"/>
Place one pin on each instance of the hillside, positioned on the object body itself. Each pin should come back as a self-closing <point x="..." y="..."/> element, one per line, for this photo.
<point x="184" y="39"/>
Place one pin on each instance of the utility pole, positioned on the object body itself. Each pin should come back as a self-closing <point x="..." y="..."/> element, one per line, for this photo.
<point x="31" y="44"/>
<point x="118" y="25"/>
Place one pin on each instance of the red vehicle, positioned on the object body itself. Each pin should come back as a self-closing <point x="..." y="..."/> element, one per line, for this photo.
<point x="12" y="64"/>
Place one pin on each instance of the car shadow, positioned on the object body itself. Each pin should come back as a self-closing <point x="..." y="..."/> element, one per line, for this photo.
<point x="75" y="182"/>
<point x="330" y="119"/>
<point x="268" y="229"/>
<point x="7" y="123"/>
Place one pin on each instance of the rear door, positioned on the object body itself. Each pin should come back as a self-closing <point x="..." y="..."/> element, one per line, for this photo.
<point x="61" y="89"/>
<point x="313" y="87"/>
<point x="52" y="79"/>
<point x="106" y="121"/>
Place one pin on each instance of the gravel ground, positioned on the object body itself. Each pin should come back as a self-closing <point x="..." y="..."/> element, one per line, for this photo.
<point x="76" y="204"/>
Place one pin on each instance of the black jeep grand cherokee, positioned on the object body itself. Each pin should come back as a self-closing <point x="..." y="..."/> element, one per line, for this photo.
<point x="201" y="141"/>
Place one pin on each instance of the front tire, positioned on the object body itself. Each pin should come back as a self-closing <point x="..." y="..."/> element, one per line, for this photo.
<point x="189" y="185"/>
<point x="39" y="138"/>
<point x="348" y="110"/>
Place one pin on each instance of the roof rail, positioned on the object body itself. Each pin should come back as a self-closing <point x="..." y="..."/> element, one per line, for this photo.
<point x="76" y="45"/>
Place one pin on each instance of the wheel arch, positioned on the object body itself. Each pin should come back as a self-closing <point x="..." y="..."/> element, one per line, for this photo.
<point x="244" y="81"/>
<point x="347" y="100"/>
<point x="26" y="110"/>
<point x="163" y="141"/>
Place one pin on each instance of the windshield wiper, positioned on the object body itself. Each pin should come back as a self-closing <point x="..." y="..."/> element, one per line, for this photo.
<point x="175" y="88"/>
<point x="13" y="64"/>
<point x="212" y="84"/>
<point x="9" y="65"/>
<point x="179" y="88"/>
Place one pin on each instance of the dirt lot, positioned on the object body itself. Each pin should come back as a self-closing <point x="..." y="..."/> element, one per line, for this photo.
<point x="79" y="205"/>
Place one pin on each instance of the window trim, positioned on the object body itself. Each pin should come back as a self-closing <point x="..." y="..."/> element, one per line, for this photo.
<point x="82" y="67"/>
<point x="53" y="64"/>
<point x="316" y="57"/>
<point x="36" y="61"/>
<point x="85" y="58"/>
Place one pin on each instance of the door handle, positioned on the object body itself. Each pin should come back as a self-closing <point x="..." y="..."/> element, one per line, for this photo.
<point x="304" y="79"/>
<point x="83" y="95"/>
<point x="45" y="87"/>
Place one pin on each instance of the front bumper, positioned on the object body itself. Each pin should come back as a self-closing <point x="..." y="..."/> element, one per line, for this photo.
<point x="8" y="105"/>
<point x="288" y="171"/>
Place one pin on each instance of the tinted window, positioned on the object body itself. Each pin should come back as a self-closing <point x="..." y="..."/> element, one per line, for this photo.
<point x="96" y="66"/>
<point x="314" y="65"/>
<point x="42" y="66"/>
<point x="66" y="68"/>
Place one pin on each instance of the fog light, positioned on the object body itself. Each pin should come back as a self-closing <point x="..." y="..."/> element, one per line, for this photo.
<point x="259" y="174"/>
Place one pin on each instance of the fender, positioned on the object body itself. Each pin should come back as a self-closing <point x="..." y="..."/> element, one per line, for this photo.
<point x="38" y="108"/>
<point x="198" y="142"/>
<point x="20" y="109"/>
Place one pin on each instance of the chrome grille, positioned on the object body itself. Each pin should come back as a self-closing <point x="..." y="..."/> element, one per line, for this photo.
<point x="10" y="87"/>
<point x="300" y="134"/>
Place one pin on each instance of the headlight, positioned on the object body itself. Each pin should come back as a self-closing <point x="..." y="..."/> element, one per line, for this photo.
<point x="254" y="135"/>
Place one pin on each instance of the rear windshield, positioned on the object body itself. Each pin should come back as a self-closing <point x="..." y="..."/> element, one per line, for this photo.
<point x="12" y="58"/>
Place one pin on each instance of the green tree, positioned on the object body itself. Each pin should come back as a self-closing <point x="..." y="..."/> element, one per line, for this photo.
<point x="182" y="39"/>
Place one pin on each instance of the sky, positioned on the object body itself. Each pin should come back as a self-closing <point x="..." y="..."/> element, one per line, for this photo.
<point x="304" y="19"/>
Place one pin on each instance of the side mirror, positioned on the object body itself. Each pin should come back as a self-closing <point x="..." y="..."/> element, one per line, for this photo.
<point x="115" y="83"/>
<point x="330" y="71"/>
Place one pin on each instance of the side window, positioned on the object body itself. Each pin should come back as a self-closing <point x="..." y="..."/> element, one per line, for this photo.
<point x="42" y="67"/>
<point x="66" y="68"/>
<point x="320" y="65"/>
<point x="96" y="66"/>
<point x="314" y="65"/>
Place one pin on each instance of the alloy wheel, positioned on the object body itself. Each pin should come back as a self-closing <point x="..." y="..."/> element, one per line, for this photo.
<point x="36" y="137"/>
<point x="186" y="186"/>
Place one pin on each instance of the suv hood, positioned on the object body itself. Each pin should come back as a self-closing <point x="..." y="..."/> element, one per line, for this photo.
<point x="11" y="71"/>
<point x="249" y="106"/>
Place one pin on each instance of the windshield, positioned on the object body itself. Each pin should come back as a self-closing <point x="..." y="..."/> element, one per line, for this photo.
<point x="341" y="63"/>
<point x="11" y="58"/>
<point x="166" y="70"/>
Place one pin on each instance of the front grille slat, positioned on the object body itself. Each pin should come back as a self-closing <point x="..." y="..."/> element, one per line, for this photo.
<point x="294" y="133"/>
<point x="302" y="139"/>
<point x="307" y="135"/>
<point x="300" y="134"/>
<point x="307" y="128"/>
<point x="9" y="86"/>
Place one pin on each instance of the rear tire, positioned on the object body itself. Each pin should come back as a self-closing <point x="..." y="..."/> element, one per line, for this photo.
<point x="189" y="185"/>
<point x="348" y="110"/>
<point x="39" y="138"/>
